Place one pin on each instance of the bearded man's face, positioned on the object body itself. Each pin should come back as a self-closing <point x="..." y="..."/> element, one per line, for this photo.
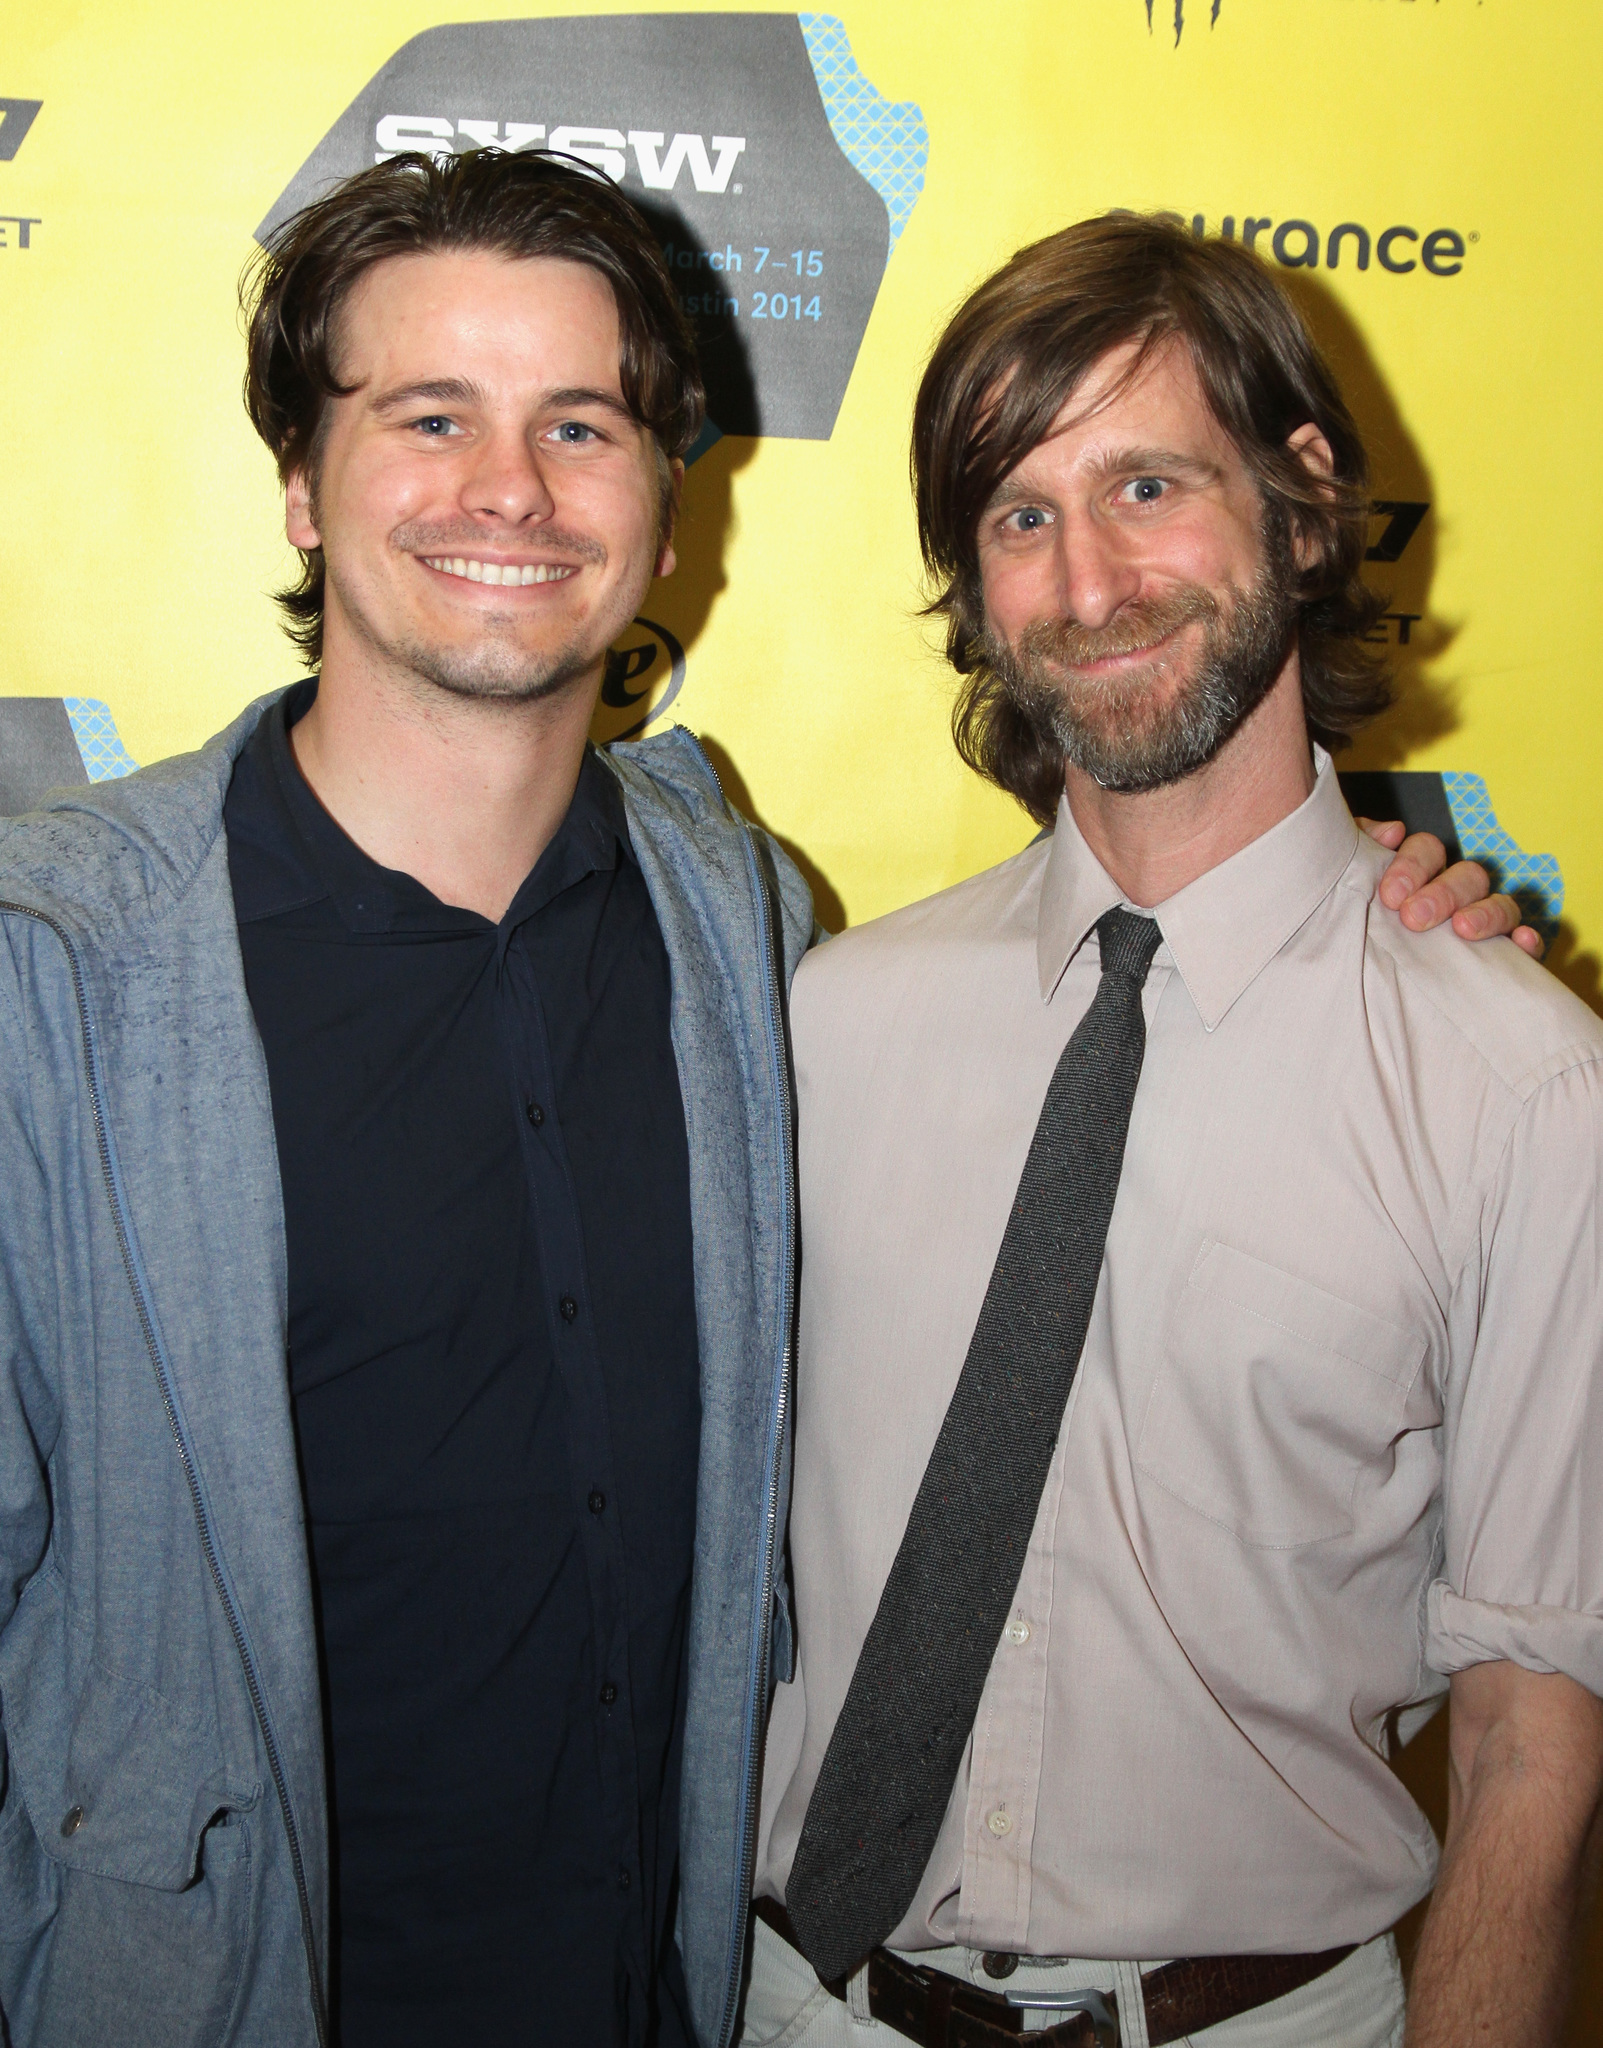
<point x="1139" y="604"/>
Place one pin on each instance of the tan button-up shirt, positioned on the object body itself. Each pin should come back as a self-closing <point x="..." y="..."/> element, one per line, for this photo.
<point x="1338" y="1424"/>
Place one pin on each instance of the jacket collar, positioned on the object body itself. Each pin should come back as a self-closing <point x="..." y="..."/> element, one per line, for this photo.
<point x="1224" y="928"/>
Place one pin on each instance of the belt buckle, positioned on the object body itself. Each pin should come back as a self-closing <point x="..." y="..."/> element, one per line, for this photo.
<point x="1092" y="2004"/>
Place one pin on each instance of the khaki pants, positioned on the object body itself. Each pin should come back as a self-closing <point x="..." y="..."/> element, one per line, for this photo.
<point x="1359" y="2004"/>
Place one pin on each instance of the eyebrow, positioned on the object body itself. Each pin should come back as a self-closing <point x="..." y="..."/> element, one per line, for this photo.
<point x="1012" y="490"/>
<point x="462" y="391"/>
<point x="583" y="394"/>
<point x="1153" y="461"/>
<point x="441" y="390"/>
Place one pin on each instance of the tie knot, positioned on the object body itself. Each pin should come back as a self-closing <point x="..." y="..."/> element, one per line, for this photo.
<point x="1128" y="943"/>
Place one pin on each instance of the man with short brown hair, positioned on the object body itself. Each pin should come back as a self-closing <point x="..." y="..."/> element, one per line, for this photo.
<point x="395" y="1258"/>
<point x="1200" y="1325"/>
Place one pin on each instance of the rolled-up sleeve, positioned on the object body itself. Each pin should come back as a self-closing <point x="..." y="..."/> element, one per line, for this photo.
<point x="1522" y="1570"/>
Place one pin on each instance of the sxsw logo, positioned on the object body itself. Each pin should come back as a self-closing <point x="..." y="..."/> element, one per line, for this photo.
<point x="16" y="118"/>
<point x="770" y="159"/>
<point x="657" y="169"/>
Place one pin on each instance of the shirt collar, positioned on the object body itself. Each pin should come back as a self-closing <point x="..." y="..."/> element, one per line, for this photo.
<point x="1224" y="928"/>
<point x="315" y="858"/>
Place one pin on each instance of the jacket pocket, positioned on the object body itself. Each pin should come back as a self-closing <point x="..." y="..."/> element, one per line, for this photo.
<point x="1271" y="1396"/>
<point x="120" y="1781"/>
<point x="29" y="1890"/>
<point x="123" y="1841"/>
<point x="137" y="1963"/>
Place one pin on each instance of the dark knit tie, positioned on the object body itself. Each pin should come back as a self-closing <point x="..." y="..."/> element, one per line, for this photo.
<point x="888" y="1772"/>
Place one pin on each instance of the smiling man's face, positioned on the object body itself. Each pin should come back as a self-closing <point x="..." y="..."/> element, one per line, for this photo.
<point x="489" y="513"/>
<point x="1138" y="604"/>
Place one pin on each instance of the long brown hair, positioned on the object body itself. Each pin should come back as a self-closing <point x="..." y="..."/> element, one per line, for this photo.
<point x="528" y="204"/>
<point x="1007" y="364"/>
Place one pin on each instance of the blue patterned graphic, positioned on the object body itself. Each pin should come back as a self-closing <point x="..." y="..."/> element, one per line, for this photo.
<point x="889" y="144"/>
<point x="93" y="727"/>
<point x="1533" y="877"/>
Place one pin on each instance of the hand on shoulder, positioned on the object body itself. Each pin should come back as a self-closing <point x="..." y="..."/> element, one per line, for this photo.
<point x="1425" y="892"/>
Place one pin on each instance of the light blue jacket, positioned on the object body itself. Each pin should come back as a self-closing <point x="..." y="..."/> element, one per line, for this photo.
<point x="163" y="1838"/>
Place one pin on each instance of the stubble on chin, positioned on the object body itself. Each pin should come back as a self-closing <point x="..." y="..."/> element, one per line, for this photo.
<point x="494" y="667"/>
<point x="498" y="671"/>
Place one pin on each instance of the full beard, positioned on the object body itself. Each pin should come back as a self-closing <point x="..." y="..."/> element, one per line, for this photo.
<point x="1123" y="732"/>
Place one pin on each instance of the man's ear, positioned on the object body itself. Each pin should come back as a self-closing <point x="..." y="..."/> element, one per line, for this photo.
<point x="1313" y="451"/>
<point x="300" y="521"/>
<point x="667" y="560"/>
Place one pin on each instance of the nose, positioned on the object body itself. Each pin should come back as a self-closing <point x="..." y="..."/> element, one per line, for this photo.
<point x="1097" y="571"/>
<point x="508" y="483"/>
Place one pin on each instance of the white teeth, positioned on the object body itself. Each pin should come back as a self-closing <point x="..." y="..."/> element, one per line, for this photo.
<point x="520" y="574"/>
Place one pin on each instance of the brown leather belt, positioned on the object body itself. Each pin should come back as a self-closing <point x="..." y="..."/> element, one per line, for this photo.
<point x="1181" y="1998"/>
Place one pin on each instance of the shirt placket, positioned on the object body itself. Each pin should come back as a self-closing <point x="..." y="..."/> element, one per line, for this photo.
<point x="1007" y="1756"/>
<point x="1006" y="1760"/>
<point x="589" y="1441"/>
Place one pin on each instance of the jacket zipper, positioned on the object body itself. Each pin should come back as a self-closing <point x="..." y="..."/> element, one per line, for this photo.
<point x="769" y="933"/>
<point x="208" y="1547"/>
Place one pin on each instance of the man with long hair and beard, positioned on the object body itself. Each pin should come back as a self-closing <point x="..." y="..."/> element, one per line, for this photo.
<point x="1122" y="732"/>
<point x="1200" y="1325"/>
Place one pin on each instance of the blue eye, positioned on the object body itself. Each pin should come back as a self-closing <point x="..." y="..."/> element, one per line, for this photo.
<point x="1030" y="519"/>
<point x="575" y="433"/>
<point x="1146" y="490"/>
<point x="435" y="426"/>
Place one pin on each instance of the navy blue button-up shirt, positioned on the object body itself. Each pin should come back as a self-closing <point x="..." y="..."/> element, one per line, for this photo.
<point x="493" y="1367"/>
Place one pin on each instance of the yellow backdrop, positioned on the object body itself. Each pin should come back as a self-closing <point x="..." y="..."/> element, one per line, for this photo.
<point x="142" y="524"/>
<point x="142" y="144"/>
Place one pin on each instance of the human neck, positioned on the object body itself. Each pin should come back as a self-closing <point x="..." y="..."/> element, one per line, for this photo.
<point x="1154" y="842"/>
<point x="464" y="794"/>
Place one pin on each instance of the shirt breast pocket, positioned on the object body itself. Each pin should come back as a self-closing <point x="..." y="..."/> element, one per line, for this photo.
<point x="1271" y="1397"/>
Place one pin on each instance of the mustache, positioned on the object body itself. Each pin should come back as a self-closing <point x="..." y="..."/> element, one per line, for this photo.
<point x="462" y="537"/>
<point x="1141" y="623"/>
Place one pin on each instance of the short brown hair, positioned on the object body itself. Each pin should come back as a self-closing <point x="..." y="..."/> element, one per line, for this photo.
<point x="528" y="204"/>
<point x="1010" y="360"/>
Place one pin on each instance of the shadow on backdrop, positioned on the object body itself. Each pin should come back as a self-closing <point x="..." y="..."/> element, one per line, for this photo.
<point x="647" y="668"/>
<point x="1403" y="547"/>
<point x="827" y="905"/>
<point x="1403" y="540"/>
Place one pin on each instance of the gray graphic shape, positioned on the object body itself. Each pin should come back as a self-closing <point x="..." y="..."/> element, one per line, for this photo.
<point x="663" y="94"/>
<point x="16" y="118"/>
<point x="37" y="752"/>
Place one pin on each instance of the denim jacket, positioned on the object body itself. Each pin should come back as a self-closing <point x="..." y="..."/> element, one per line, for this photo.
<point x="163" y="1831"/>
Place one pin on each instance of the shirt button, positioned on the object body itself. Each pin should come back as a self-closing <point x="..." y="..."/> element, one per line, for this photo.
<point x="72" y="1820"/>
<point x="998" y="1823"/>
<point x="1017" y="1630"/>
<point x="623" y="1880"/>
<point x="569" y="1308"/>
<point x="598" y="1500"/>
<point x="609" y="1692"/>
<point x="534" y="1113"/>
